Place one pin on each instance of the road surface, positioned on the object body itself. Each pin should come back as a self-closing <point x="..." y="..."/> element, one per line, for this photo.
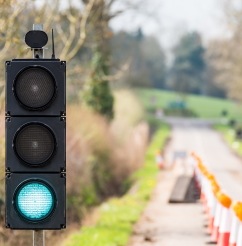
<point x="164" y="224"/>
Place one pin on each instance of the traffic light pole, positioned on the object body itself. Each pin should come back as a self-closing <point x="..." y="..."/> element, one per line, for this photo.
<point x="38" y="238"/>
<point x="38" y="53"/>
<point x="38" y="235"/>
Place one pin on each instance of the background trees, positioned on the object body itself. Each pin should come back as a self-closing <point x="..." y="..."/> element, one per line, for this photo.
<point x="83" y="30"/>
<point x="145" y="58"/>
<point x="188" y="67"/>
<point x="225" y="54"/>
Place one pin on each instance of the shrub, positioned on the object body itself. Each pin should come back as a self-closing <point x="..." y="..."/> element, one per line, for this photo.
<point x="102" y="155"/>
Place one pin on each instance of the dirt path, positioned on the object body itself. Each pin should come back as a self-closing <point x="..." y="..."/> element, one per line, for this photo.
<point x="167" y="224"/>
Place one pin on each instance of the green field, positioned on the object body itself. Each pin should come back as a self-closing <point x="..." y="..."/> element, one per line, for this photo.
<point x="202" y="106"/>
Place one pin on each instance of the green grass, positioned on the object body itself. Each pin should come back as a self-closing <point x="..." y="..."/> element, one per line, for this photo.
<point x="117" y="216"/>
<point x="230" y="137"/>
<point x="204" y="107"/>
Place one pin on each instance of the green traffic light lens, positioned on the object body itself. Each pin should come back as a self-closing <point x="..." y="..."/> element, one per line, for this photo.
<point x="34" y="200"/>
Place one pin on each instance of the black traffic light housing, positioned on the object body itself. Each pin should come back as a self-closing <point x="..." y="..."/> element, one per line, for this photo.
<point x="35" y="126"/>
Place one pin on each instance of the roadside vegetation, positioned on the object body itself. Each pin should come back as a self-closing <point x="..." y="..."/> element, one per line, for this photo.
<point x="115" y="218"/>
<point x="232" y="135"/>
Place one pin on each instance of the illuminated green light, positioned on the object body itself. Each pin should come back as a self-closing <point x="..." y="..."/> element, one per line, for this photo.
<point x="34" y="200"/>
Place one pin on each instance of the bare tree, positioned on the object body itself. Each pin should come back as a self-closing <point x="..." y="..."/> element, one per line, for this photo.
<point x="226" y="55"/>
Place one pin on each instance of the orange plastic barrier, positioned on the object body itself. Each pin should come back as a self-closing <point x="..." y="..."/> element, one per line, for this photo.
<point x="222" y="217"/>
<point x="226" y="219"/>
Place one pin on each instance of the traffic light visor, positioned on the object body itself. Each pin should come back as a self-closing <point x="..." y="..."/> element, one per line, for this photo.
<point x="34" y="200"/>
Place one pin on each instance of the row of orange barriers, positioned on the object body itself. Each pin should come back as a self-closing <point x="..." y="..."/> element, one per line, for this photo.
<point x="224" y="215"/>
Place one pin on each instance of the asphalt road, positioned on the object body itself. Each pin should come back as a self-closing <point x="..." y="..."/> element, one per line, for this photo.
<point x="167" y="224"/>
<point x="198" y="136"/>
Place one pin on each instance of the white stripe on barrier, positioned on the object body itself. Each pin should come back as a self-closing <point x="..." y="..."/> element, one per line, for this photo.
<point x="239" y="238"/>
<point x="234" y="229"/>
<point x="218" y="215"/>
<point x="225" y="222"/>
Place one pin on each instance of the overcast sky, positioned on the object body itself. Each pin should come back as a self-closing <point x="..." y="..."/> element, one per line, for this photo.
<point x="168" y="19"/>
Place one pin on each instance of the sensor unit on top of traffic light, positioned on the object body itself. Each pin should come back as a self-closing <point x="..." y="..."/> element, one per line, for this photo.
<point x="36" y="39"/>
<point x="35" y="87"/>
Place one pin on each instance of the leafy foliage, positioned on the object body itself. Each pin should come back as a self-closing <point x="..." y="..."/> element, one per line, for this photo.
<point x="97" y="93"/>
<point x="189" y="64"/>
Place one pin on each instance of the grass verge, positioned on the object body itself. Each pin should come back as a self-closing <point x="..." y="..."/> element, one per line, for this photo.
<point x="230" y="137"/>
<point x="117" y="216"/>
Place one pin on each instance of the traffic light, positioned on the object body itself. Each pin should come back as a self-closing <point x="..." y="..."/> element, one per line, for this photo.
<point x="35" y="144"/>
